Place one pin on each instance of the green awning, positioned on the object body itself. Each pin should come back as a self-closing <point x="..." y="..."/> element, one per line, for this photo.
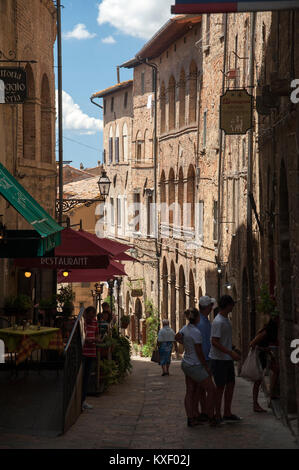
<point x="33" y="213"/>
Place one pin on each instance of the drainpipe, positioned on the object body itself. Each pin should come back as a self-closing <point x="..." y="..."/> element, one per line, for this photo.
<point x="249" y="188"/>
<point x="220" y="163"/>
<point x="155" y="69"/>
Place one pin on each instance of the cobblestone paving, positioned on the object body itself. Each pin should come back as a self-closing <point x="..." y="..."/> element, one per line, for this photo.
<point x="146" y="412"/>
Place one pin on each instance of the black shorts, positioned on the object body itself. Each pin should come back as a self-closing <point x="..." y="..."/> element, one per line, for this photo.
<point x="223" y="372"/>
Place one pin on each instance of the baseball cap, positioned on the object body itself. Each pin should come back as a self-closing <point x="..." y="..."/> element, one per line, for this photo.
<point x="206" y="300"/>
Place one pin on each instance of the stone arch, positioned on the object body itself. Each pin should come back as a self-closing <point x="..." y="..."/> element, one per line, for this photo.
<point x="182" y="98"/>
<point x="171" y="103"/>
<point x="192" y="92"/>
<point x="46" y="122"/>
<point x="165" y="288"/>
<point x="182" y="297"/>
<point x="29" y="117"/>
<point x="171" y="196"/>
<point x="172" y="296"/>
<point x="191" y="196"/>
<point x="162" y="108"/>
<point x="191" y="290"/>
<point x="181" y="197"/>
<point x="287" y="319"/>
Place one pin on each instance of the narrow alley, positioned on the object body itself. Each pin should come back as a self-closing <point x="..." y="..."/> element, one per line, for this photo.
<point x="147" y="412"/>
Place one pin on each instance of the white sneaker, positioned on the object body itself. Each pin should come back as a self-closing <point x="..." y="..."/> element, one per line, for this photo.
<point x="86" y="406"/>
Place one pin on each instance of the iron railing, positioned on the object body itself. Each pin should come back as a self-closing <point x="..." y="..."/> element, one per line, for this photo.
<point x="72" y="364"/>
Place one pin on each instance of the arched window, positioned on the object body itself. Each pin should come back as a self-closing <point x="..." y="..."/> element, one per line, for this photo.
<point x="29" y="121"/>
<point x="125" y="142"/>
<point x="46" y="122"/>
<point x="191" y="196"/>
<point x="139" y="147"/>
<point x="182" y="96"/>
<point x="111" y="145"/>
<point x="171" y="104"/>
<point x="147" y="146"/>
<point x="181" y="198"/>
<point x="192" y="92"/>
<point x="162" y="108"/>
<point x="116" y="144"/>
<point x="171" y="196"/>
<point x="162" y="197"/>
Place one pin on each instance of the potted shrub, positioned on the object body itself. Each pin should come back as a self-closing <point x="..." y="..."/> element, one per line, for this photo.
<point x="20" y="305"/>
<point x="125" y="321"/>
<point x="65" y="299"/>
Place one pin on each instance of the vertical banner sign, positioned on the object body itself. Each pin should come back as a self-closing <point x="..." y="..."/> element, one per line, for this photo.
<point x="12" y="85"/>
<point x="236" y="112"/>
<point x="231" y="6"/>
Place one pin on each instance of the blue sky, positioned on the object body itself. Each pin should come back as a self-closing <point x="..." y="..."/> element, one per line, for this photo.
<point x="98" y="36"/>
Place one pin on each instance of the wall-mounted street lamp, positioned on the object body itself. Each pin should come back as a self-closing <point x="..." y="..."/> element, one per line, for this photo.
<point x="228" y="286"/>
<point x="28" y="274"/>
<point x="97" y="294"/>
<point x="104" y="188"/>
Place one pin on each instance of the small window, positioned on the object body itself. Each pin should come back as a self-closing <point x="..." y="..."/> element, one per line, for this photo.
<point x="139" y="150"/>
<point x="142" y="83"/>
<point x="126" y="100"/>
<point x="112" y="104"/>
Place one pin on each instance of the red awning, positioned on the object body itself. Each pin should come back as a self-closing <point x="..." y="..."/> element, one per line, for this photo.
<point x="92" y="275"/>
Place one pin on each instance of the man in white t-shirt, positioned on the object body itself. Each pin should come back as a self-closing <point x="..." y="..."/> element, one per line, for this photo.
<point x="222" y="359"/>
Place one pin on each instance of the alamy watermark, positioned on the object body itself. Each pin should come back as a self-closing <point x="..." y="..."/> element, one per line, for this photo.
<point x="295" y="93"/>
<point x="295" y="353"/>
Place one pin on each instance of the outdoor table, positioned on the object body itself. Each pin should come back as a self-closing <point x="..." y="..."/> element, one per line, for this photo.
<point x="24" y="342"/>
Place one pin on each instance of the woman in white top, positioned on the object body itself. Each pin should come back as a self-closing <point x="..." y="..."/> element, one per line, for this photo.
<point x="197" y="373"/>
<point x="165" y="342"/>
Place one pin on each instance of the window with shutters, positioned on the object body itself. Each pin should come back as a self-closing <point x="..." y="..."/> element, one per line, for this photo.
<point x="117" y="145"/>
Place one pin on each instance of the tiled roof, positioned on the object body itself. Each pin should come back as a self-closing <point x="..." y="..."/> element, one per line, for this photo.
<point x="112" y="89"/>
<point x="84" y="189"/>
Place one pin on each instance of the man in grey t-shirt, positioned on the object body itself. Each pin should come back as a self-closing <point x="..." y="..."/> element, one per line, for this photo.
<point x="222" y="358"/>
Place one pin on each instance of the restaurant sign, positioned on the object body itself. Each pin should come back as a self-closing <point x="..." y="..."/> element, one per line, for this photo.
<point x="13" y="86"/>
<point x="64" y="262"/>
<point x="236" y="112"/>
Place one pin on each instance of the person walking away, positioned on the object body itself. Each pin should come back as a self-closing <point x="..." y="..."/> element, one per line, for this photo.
<point x="196" y="370"/>
<point x="89" y="350"/>
<point x="265" y="338"/>
<point x="165" y="343"/>
<point x="222" y="359"/>
<point x="206" y="304"/>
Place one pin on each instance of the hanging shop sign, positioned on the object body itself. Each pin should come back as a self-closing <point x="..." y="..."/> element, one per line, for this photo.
<point x="236" y="112"/>
<point x="13" y="88"/>
<point x="231" y="6"/>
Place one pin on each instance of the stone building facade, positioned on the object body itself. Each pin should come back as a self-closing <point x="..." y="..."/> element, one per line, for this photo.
<point x="27" y="131"/>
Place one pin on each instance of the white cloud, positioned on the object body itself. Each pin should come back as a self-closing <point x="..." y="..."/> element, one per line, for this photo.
<point x="74" y="119"/>
<point x="79" y="32"/>
<point x="138" y="18"/>
<point x="109" y="40"/>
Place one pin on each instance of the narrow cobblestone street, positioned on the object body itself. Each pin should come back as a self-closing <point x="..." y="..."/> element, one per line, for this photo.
<point x="146" y="412"/>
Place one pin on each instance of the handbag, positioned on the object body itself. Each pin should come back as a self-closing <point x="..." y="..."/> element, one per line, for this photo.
<point x="156" y="356"/>
<point x="252" y="369"/>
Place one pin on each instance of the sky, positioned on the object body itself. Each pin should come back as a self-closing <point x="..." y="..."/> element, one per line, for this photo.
<point x="97" y="36"/>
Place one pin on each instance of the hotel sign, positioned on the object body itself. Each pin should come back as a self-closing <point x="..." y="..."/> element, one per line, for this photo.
<point x="13" y="86"/>
<point x="236" y="112"/>
<point x="231" y="6"/>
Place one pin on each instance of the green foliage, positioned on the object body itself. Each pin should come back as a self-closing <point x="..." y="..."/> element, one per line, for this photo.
<point x="121" y="354"/>
<point x="65" y="296"/>
<point x="48" y="303"/>
<point x="266" y="304"/>
<point x="152" y="323"/>
<point x="109" y="371"/>
<point x="19" y="303"/>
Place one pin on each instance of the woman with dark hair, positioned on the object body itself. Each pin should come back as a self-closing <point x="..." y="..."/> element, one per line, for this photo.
<point x="197" y="373"/>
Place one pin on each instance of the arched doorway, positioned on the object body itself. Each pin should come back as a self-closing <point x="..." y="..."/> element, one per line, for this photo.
<point x="173" y="297"/>
<point x="191" y="290"/>
<point x="287" y="318"/>
<point x="138" y="316"/>
<point x="165" y="289"/>
<point x="182" y="297"/>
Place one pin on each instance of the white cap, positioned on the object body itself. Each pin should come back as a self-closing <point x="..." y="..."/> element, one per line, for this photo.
<point x="206" y="301"/>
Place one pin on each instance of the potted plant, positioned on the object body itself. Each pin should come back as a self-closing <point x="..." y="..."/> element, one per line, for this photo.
<point x="65" y="299"/>
<point x="125" y="321"/>
<point x="20" y="305"/>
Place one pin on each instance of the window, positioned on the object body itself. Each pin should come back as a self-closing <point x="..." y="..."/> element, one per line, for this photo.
<point x="204" y="132"/>
<point x="153" y="80"/>
<point x="125" y="142"/>
<point x="119" y="212"/>
<point x="137" y="226"/>
<point x="215" y="221"/>
<point x="139" y="147"/>
<point x="112" y="104"/>
<point x="200" y="220"/>
<point x="182" y="98"/>
<point x="142" y="83"/>
<point x="117" y="145"/>
<point x="111" y="211"/>
<point x="110" y="149"/>
<point x="171" y="104"/>
<point x="162" y="108"/>
<point x="149" y="215"/>
<point x="126" y="100"/>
